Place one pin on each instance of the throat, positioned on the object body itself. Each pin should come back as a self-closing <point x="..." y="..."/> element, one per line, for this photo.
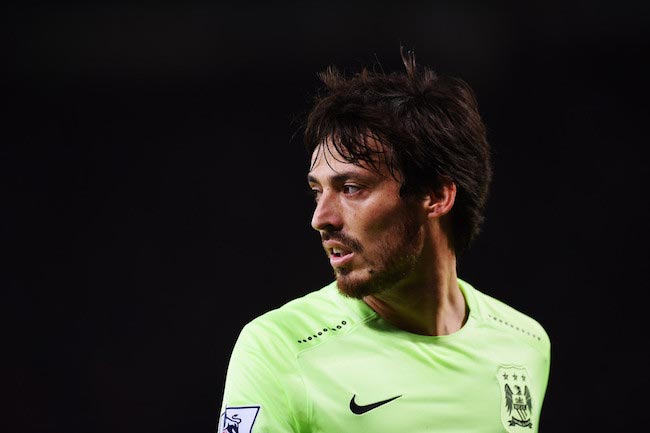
<point x="428" y="315"/>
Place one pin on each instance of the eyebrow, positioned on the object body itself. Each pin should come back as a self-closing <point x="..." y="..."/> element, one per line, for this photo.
<point x="339" y="177"/>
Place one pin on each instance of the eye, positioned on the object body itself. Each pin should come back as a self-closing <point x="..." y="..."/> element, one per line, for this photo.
<point x="315" y="193"/>
<point x="351" y="189"/>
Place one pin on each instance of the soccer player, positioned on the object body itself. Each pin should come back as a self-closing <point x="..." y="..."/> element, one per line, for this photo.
<point x="400" y="170"/>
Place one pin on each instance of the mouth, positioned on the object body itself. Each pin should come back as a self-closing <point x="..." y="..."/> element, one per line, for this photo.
<point x="338" y="252"/>
<point x="339" y="256"/>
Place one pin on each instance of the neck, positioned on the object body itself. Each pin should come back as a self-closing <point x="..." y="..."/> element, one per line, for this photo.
<point x="429" y="302"/>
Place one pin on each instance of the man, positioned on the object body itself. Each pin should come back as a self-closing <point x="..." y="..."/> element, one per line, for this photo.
<point x="400" y="170"/>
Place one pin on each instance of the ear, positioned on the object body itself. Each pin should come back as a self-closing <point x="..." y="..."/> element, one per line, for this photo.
<point x="438" y="203"/>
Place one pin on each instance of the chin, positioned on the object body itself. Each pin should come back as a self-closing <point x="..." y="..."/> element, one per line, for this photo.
<point x="356" y="286"/>
<point x="360" y="283"/>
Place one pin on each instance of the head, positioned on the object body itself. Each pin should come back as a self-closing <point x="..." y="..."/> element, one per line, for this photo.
<point x="417" y="129"/>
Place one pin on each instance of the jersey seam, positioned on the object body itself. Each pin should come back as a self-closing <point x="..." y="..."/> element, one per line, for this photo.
<point x="522" y="337"/>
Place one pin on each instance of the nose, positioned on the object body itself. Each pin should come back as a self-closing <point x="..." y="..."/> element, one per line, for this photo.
<point x="327" y="215"/>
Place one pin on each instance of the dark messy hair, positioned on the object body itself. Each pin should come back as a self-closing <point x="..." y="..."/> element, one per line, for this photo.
<point x="429" y="127"/>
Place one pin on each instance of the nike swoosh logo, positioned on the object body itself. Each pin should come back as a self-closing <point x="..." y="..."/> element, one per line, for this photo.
<point x="361" y="409"/>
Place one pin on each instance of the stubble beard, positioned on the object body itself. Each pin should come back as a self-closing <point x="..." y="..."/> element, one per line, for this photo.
<point x="398" y="255"/>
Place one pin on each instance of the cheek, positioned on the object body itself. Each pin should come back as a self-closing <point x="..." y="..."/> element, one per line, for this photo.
<point x="382" y="222"/>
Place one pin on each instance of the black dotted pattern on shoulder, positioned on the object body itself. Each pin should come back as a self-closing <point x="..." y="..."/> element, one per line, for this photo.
<point x="522" y="330"/>
<point x="324" y="331"/>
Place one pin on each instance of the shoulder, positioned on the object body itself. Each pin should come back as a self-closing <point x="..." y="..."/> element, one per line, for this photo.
<point x="502" y="316"/>
<point x="303" y="322"/>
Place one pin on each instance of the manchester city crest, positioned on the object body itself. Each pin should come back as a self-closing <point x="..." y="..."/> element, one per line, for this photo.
<point x="517" y="403"/>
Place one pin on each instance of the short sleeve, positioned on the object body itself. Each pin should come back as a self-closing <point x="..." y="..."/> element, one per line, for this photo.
<point x="263" y="391"/>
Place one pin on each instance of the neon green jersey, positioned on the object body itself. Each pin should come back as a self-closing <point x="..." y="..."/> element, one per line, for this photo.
<point x="328" y="363"/>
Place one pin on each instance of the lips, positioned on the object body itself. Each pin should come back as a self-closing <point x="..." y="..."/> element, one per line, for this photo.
<point x="338" y="254"/>
<point x="339" y="261"/>
<point x="337" y="249"/>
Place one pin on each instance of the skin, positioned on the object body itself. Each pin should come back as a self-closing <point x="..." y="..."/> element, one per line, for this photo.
<point x="398" y="257"/>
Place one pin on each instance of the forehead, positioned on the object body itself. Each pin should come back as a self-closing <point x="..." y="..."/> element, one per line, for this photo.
<point x="329" y="157"/>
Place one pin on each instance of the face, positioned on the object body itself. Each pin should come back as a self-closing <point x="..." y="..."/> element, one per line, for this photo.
<point x="372" y="236"/>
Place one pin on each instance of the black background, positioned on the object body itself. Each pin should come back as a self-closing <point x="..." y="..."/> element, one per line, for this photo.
<point x="155" y="197"/>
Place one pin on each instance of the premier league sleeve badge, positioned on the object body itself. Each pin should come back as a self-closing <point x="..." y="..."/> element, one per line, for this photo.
<point x="238" y="419"/>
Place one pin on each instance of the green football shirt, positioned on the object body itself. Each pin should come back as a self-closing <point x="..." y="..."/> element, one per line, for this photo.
<point x="327" y="363"/>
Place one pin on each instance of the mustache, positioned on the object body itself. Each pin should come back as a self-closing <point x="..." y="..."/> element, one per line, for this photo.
<point x="345" y="240"/>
